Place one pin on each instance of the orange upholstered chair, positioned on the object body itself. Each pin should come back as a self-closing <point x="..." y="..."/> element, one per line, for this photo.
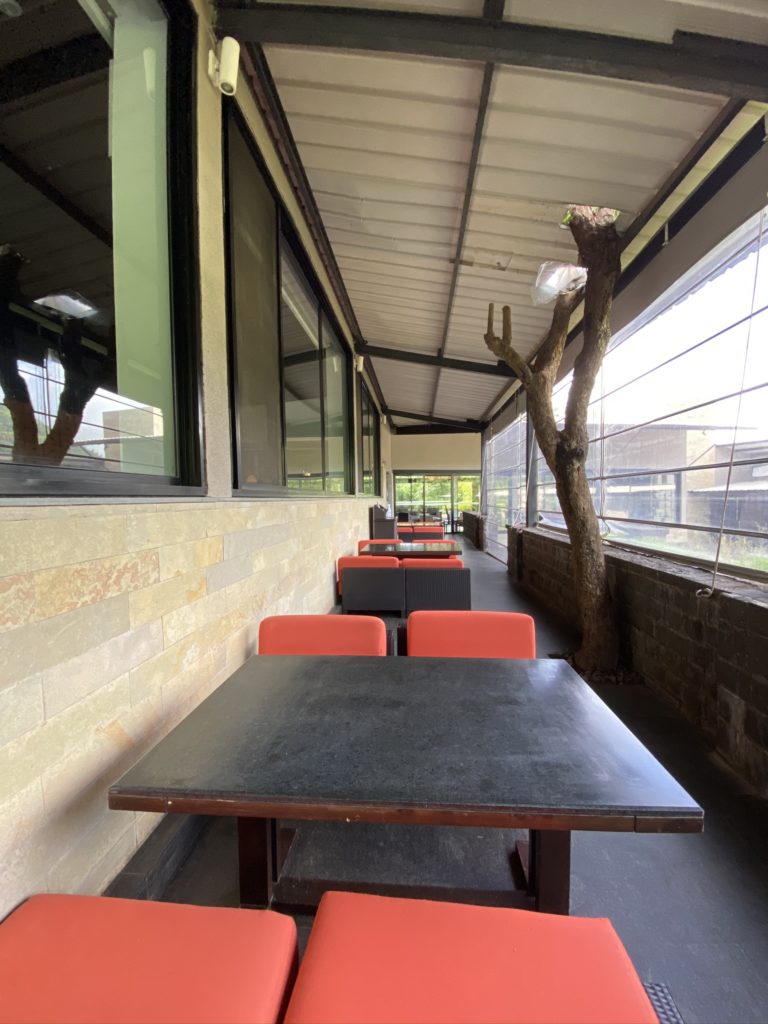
<point x="322" y="634"/>
<point x="378" y="958"/>
<point x="468" y="634"/>
<point x="364" y="562"/>
<point x="98" y="959"/>
<point x="389" y="540"/>
<point x="452" y="562"/>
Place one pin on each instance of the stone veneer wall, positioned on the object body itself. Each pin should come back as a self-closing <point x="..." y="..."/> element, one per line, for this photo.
<point x="709" y="656"/>
<point x="116" y="620"/>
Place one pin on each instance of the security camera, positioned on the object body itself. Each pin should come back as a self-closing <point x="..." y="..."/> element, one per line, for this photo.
<point x="223" y="65"/>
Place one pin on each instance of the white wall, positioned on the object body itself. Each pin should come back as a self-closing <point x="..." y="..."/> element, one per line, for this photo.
<point x="436" y="451"/>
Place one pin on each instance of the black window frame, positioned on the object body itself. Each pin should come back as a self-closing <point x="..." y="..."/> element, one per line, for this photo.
<point x="365" y="395"/>
<point x="22" y="480"/>
<point x="286" y="234"/>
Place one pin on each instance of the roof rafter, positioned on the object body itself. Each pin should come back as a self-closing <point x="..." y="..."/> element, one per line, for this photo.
<point x="443" y="362"/>
<point x="482" y="110"/>
<point x="691" y="61"/>
<point x="473" y="426"/>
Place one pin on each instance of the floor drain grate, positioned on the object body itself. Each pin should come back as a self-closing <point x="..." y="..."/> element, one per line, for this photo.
<point x="663" y="1003"/>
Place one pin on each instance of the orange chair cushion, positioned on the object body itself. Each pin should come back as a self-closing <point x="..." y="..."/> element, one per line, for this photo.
<point x="470" y="634"/>
<point x="381" y="959"/>
<point x="322" y="634"/>
<point x="91" y="959"/>
<point x="364" y="543"/>
<point x="432" y="563"/>
<point x="365" y="562"/>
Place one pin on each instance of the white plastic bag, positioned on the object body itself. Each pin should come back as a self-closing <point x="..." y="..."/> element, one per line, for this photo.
<point x="555" y="278"/>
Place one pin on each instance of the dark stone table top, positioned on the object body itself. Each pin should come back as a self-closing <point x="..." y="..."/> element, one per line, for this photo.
<point x="436" y="549"/>
<point x="420" y="740"/>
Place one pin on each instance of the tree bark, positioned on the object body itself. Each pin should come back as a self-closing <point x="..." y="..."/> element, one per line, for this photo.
<point x="565" y="451"/>
<point x="83" y="373"/>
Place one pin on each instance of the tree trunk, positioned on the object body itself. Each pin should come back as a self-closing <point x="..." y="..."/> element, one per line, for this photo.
<point x="565" y="451"/>
<point x="83" y="373"/>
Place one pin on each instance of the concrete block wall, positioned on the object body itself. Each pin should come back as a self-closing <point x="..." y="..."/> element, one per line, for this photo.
<point x="707" y="655"/>
<point x="116" y="621"/>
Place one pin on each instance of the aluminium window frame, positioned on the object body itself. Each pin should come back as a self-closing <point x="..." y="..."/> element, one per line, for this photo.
<point x="365" y="392"/>
<point x="286" y="233"/>
<point x="21" y="480"/>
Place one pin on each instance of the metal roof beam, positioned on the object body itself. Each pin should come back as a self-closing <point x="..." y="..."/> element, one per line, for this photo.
<point x="482" y="110"/>
<point x="472" y="425"/>
<point x="44" y="187"/>
<point x="430" y="428"/>
<point x="46" y="68"/>
<point x="493" y="10"/>
<point x="442" y="362"/>
<point x="691" y="61"/>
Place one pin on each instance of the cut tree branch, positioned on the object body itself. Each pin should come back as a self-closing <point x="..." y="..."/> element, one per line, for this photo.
<point x="502" y="347"/>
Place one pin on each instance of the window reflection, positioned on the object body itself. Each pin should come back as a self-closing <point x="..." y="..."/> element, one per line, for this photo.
<point x="300" y="333"/>
<point x="85" y="345"/>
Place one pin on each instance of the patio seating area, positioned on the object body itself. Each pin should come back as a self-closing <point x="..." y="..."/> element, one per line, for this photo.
<point x="676" y="902"/>
<point x="383" y="511"/>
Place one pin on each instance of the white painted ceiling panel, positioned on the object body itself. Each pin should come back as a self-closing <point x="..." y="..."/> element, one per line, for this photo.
<point x="410" y="391"/>
<point x="460" y="8"/>
<point x="366" y="73"/>
<point x="651" y="19"/>
<point x="588" y="99"/>
<point x="386" y="143"/>
<point x="460" y="395"/>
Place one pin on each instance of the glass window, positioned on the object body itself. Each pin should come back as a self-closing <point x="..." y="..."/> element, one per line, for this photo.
<point x="437" y="497"/>
<point x="335" y="405"/>
<point x="302" y="393"/>
<point x="290" y="370"/>
<point x="504" y="483"/>
<point x="253" y="284"/>
<point x="369" y="445"/>
<point x="682" y="392"/>
<point x="86" y="362"/>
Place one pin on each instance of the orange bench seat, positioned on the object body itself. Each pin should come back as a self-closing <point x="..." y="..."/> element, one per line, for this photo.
<point x="401" y="961"/>
<point x="89" y="959"/>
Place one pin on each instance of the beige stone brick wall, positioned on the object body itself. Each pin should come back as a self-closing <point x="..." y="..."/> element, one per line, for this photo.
<point x="116" y="621"/>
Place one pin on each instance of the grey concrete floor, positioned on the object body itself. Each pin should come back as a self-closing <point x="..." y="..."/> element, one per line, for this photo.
<point x="692" y="910"/>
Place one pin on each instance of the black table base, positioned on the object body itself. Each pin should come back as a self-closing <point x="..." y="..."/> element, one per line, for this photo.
<point x="545" y="863"/>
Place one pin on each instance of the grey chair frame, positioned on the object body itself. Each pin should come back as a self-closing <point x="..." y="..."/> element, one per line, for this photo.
<point x="437" y="589"/>
<point x="373" y="590"/>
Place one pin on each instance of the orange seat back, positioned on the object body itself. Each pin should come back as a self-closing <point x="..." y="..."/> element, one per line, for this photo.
<point x="364" y="543"/>
<point x="469" y="634"/>
<point x="365" y="562"/>
<point x="432" y="563"/>
<point x="322" y="634"/>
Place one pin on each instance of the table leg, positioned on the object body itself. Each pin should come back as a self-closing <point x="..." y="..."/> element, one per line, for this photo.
<point x="257" y="857"/>
<point x="549" y="870"/>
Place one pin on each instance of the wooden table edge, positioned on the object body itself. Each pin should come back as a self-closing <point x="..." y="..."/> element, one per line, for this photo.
<point x="570" y="820"/>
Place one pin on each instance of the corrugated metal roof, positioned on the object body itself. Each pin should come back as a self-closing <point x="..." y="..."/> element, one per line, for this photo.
<point x="406" y="387"/>
<point x="386" y="143"/>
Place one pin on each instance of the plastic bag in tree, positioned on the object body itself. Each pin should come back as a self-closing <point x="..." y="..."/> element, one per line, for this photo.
<point x="555" y="278"/>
